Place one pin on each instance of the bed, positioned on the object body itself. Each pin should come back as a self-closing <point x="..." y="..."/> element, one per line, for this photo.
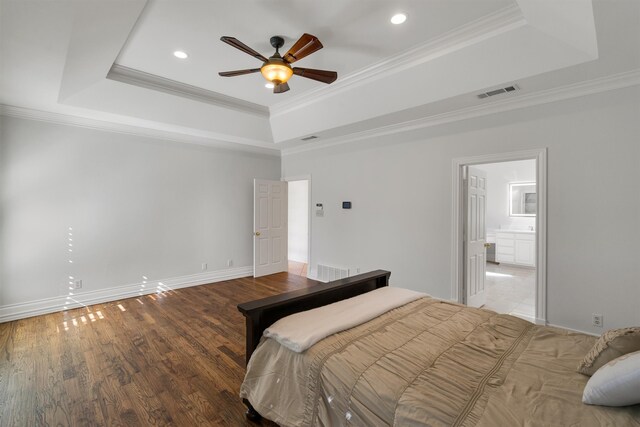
<point x="426" y="362"/>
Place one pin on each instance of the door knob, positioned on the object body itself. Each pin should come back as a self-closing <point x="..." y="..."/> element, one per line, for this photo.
<point x="257" y="233"/>
<point x="487" y="245"/>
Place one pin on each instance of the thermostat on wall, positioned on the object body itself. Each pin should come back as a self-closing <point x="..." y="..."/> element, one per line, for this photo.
<point x="346" y="205"/>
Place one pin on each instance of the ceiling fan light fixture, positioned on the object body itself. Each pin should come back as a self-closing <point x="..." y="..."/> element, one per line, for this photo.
<point x="277" y="69"/>
<point x="276" y="73"/>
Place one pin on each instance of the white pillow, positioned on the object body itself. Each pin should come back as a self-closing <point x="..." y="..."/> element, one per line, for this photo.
<point x="615" y="384"/>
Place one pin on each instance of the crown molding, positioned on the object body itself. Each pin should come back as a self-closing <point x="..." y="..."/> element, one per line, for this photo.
<point x="603" y="84"/>
<point x="183" y="135"/>
<point x="588" y="87"/>
<point x="488" y="26"/>
<point x="151" y="81"/>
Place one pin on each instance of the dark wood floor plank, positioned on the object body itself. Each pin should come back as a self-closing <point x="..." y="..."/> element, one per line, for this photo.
<point x="169" y="359"/>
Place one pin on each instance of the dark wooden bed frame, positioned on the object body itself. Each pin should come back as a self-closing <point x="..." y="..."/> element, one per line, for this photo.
<point x="262" y="313"/>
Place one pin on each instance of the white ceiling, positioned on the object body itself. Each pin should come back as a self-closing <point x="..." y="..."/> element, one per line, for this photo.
<point x="355" y="34"/>
<point x="57" y="63"/>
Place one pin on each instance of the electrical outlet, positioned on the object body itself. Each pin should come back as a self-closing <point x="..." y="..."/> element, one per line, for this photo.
<point x="204" y="266"/>
<point x="77" y="284"/>
<point x="229" y="262"/>
<point x="598" y="320"/>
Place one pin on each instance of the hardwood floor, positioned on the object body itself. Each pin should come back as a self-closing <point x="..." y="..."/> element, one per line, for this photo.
<point x="170" y="359"/>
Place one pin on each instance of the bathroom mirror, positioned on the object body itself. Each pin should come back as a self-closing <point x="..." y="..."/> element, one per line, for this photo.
<point x="523" y="200"/>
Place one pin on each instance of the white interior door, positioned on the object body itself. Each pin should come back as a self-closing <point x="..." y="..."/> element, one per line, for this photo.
<point x="475" y="237"/>
<point x="269" y="227"/>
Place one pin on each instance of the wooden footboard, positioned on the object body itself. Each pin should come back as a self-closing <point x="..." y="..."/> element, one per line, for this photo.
<point x="262" y="313"/>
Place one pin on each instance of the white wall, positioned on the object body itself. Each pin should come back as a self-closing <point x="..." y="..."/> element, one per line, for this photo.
<point x="137" y="207"/>
<point x="400" y="186"/>
<point x="298" y="220"/>
<point x="499" y="175"/>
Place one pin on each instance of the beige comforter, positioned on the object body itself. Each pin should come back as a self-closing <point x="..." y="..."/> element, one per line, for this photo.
<point x="430" y="363"/>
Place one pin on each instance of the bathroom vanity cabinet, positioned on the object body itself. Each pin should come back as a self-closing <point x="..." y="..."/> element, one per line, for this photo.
<point x="516" y="247"/>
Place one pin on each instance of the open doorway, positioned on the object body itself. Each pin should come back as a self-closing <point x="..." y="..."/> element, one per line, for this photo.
<point x="499" y="233"/>
<point x="510" y="220"/>
<point x="298" y="224"/>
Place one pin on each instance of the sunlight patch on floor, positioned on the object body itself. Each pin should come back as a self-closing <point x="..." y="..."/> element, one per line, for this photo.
<point x="492" y="274"/>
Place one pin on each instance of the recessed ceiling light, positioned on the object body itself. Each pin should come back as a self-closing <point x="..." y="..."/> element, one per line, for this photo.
<point x="269" y="85"/>
<point x="398" y="18"/>
<point x="180" y="54"/>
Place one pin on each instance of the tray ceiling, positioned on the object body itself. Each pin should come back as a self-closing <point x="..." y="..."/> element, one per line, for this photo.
<point x="355" y="35"/>
<point x="109" y="64"/>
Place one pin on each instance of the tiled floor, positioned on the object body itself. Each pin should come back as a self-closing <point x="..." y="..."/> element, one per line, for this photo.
<point x="298" y="268"/>
<point x="511" y="290"/>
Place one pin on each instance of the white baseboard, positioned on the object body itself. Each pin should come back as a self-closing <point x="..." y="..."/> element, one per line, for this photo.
<point x="573" y="330"/>
<point x="312" y="274"/>
<point x="81" y="299"/>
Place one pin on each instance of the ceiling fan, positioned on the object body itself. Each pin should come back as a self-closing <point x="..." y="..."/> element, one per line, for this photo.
<point x="277" y="69"/>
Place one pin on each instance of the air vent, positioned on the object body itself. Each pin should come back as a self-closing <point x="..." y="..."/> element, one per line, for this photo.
<point x="327" y="273"/>
<point x="309" y="138"/>
<point x="498" y="91"/>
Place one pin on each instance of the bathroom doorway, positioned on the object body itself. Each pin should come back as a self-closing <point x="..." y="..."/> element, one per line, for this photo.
<point x="499" y="233"/>
<point x="511" y="208"/>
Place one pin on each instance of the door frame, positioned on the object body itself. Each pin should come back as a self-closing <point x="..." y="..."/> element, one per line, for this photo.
<point x="308" y="179"/>
<point x="457" y="211"/>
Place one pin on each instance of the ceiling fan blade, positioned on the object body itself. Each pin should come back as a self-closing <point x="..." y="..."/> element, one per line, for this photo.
<point x="282" y="87"/>
<point x="243" y="47"/>
<point x="306" y="45"/>
<point x="238" y="72"/>
<point x="323" y="76"/>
